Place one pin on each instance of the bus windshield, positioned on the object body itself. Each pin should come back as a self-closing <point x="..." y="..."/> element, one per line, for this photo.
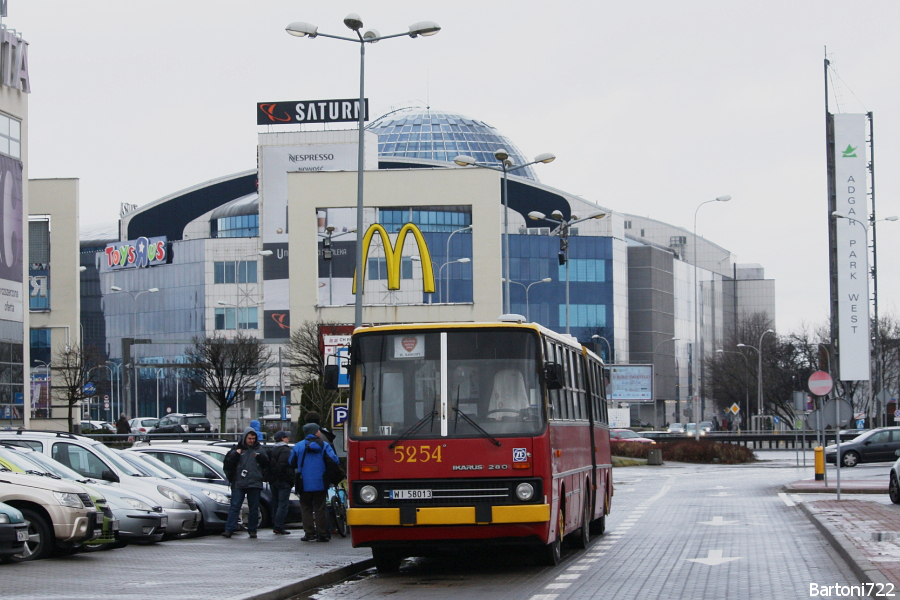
<point x="491" y="385"/>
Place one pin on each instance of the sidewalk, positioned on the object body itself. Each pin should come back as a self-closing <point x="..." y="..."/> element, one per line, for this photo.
<point x="865" y="533"/>
<point x="268" y="568"/>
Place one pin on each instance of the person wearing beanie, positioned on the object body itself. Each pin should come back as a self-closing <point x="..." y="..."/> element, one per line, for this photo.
<point x="314" y="417"/>
<point x="308" y="458"/>
<point x="281" y="480"/>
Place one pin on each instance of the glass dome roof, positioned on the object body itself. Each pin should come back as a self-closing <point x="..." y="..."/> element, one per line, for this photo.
<point x="439" y="135"/>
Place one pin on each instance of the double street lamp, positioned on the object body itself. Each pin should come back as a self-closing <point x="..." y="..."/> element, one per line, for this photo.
<point x="562" y="230"/>
<point x="354" y="23"/>
<point x="506" y="165"/>
<point x="527" y="289"/>
<point x="759" y="379"/>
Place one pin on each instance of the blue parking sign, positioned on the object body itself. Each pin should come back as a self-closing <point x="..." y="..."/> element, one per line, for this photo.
<point x="339" y="415"/>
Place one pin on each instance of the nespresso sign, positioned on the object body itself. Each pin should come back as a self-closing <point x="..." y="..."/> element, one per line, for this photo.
<point x="309" y="111"/>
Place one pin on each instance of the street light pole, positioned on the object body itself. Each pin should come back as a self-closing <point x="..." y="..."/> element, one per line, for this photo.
<point x="759" y="393"/>
<point x="353" y="22"/>
<point x="609" y="353"/>
<point x="747" y="386"/>
<point x="157" y="391"/>
<point x="697" y="292"/>
<point x="134" y="297"/>
<point x="562" y="230"/>
<point x="461" y="261"/>
<point x="506" y="166"/>
<point x="527" y="289"/>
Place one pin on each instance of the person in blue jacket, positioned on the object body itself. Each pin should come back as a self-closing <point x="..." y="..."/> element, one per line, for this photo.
<point x="308" y="457"/>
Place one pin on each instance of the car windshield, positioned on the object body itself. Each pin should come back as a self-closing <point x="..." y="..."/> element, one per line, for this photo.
<point x="119" y="463"/>
<point x="160" y="466"/>
<point x="144" y="469"/>
<point x="490" y="379"/>
<point x="54" y="466"/>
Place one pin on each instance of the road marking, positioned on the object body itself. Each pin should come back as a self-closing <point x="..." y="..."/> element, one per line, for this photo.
<point x="556" y="586"/>
<point x="784" y="497"/>
<point x="721" y="487"/>
<point x="717" y="521"/>
<point x="568" y="576"/>
<point x="721" y="495"/>
<point x="545" y="597"/>
<point x="578" y="568"/>
<point x="714" y="558"/>
<point x="589" y="560"/>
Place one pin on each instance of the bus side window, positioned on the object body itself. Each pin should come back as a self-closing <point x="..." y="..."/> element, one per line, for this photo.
<point x="580" y="387"/>
<point x="550" y="356"/>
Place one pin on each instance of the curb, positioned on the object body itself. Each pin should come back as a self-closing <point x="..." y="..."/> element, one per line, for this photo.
<point x="280" y="592"/>
<point x="817" y="490"/>
<point x="859" y="564"/>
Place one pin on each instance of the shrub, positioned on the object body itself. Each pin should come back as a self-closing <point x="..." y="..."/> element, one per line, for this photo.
<point x="691" y="451"/>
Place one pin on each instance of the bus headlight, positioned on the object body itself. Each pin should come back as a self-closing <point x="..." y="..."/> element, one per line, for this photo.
<point x="368" y="494"/>
<point x="524" y="492"/>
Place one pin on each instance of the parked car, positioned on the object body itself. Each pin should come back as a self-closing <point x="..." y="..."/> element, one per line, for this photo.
<point x="13" y="530"/>
<point x="60" y="514"/>
<point x="894" y="481"/>
<point x="676" y="428"/>
<point x="203" y="463"/>
<point x="212" y="500"/>
<point x="25" y="460"/>
<point x="183" y="423"/>
<point x="875" y="445"/>
<point x="97" y="427"/>
<point x="627" y="435"/>
<point x="94" y="460"/>
<point x="143" y="424"/>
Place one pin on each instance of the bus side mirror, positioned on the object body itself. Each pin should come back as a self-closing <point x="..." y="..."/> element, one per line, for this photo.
<point x="331" y="377"/>
<point x="553" y="374"/>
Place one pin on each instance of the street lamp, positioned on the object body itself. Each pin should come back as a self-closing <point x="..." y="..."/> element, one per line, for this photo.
<point x="562" y="230"/>
<point x="747" y="364"/>
<point x="878" y="339"/>
<point x="759" y="393"/>
<point x="697" y="292"/>
<point x="527" y="289"/>
<point x="158" y="371"/>
<point x="461" y="261"/>
<point x="354" y="22"/>
<point x="452" y="233"/>
<point x="117" y="368"/>
<point x="505" y="167"/>
<point x="653" y="362"/>
<point x="134" y="297"/>
<point x="609" y="353"/>
<point x="103" y="366"/>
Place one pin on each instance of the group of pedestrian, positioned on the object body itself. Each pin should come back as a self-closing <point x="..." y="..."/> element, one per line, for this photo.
<point x="304" y="467"/>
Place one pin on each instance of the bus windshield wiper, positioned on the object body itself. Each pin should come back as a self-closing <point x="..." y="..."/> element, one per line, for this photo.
<point x="472" y="422"/>
<point x="417" y="426"/>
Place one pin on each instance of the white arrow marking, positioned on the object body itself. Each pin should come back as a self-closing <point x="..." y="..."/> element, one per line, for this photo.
<point x="717" y="521"/>
<point x="721" y="495"/>
<point x="714" y="558"/>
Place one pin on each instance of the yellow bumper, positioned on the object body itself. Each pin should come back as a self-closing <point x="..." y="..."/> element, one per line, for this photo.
<point x="457" y="515"/>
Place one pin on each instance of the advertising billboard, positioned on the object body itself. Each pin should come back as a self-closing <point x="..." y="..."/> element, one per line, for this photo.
<point x="852" y="246"/>
<point x="309" y="111"/>
<point x="136" y="254"/>
<point x="631" y="383"/>
<point x="12" y="268"/>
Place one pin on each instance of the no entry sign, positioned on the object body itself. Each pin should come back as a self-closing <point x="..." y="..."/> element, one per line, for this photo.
<point x="820" y="383"/>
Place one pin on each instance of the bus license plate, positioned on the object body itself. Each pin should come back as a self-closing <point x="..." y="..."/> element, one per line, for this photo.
<point x="22" y="536"/>
<point x="410" y="494"/>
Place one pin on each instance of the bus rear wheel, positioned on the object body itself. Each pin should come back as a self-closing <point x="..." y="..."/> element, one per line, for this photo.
<point x="584" y="532"/>
<point x="386" y="561"/>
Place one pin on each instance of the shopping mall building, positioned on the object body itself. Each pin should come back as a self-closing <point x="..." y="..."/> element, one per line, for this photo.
<point x="268" y="248"/>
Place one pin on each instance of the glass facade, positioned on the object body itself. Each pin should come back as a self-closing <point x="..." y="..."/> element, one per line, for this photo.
<point x="12" y="399"/>
<point x="433" y="135"/>
<point x="234" y="272"/>
<point x="237" y="318"/>
<point x="237" y="226"/>
<point x="444" y="220"/>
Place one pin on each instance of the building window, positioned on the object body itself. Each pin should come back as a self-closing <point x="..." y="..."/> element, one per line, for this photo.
<point x="377" y="269"/>
<point x="235" y="272"/>
<point x="233" y="318"/>
<point x="583" y="315"/>
<point x="237" y="226"/>
<point x="40" y="347"/>
<point x="627" y="224"/>
<point x="10" y="136"/>
<point x="581" y="269"/>
<point x="447" y="220"/>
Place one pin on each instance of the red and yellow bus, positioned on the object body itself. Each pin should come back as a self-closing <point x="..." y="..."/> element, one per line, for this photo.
<point x="473" y="434"/>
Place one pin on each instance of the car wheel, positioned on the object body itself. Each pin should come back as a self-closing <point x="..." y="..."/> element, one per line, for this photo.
<point x="41" y="542"/>
<point x="584" y="532"/>
<point x="265" y="516"/>
<point x="894" y="489"/>
<point x="551" y="554"/>
<point x="386" y="561"/>
<point x="850" y="459"/>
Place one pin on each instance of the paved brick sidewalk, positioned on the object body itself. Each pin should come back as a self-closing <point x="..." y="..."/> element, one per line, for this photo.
<point x="868" y="533"/>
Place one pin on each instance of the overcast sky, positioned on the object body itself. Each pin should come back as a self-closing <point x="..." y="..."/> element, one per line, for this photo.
<point x="650" y="107"/>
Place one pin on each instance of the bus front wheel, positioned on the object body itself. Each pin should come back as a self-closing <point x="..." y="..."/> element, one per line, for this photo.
<point x="386" y="561"/>
<point x="551" y="554"/>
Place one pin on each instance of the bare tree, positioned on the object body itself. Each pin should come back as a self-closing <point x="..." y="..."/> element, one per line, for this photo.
<point x="226" y="369"/>
<point x="71" y="367"/>
<point x="307" y="367"/>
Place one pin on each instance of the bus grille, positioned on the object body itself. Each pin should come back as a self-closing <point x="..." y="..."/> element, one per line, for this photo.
<point x="453" y="492"/>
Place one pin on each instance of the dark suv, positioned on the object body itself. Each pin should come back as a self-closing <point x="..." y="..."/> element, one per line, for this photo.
<point x="183" y="423"/>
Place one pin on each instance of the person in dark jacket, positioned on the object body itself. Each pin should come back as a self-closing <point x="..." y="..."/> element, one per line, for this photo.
<point x="122" y="425"/>
<point x="314" y="417"/>
<point x="308" y="457"/>
<point x="281" y="479"/>
<point x="245" y="464"/>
